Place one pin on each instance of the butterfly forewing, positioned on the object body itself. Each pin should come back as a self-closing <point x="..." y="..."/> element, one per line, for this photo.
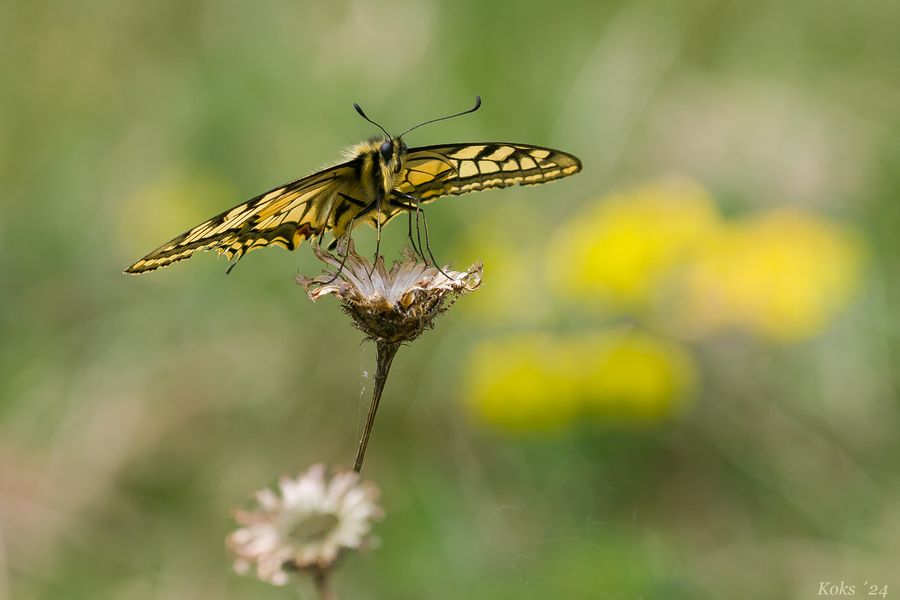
<point x="284" y="217"/>
<point x="434" y="171"/>
<point x="333" y="199"/>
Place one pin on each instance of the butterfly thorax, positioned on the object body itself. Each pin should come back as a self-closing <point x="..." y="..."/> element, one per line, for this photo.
<point x="380" y="161"/>
<point x="365" y="198"/>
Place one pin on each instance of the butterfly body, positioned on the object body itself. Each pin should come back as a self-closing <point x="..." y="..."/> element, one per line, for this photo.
<point x="376" y="163"/>
<point x="380" y="179"/>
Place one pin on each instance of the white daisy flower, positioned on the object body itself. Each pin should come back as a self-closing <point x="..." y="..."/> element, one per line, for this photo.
<point x="306" y="525"/>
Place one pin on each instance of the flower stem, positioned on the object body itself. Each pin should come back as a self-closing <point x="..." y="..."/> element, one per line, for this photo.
<point x="385" y="352"/>
<point x="323" y="586"/>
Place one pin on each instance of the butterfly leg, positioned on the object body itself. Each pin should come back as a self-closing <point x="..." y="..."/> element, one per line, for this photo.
<point x="377" y="234"/>
<point x="409" y="234"/>
<point x="418" y="210"/>
<point x="351" y="200"/>
<point x="410" y="209"/>
<point x="428" y="246"/>
<point x="419" y="232"/>
<point x="424" y="226"/>
<point x="346" y="252"/>
<point x="365" y="209"/>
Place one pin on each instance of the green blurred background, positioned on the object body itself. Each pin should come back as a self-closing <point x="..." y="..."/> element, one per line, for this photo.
<point x="679" y="380"/>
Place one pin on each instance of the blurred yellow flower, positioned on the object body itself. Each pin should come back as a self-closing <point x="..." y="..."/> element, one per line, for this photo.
<point x="637" y="375"/>
<point x="525" y="382"/>
<point x="620" y="251"/>
<point x="502" y="238"/>
<point x="164" y="206"/>
<point x="782" y="274"/>
<point x="663" y="251"/>
<point x="540" y="382"/>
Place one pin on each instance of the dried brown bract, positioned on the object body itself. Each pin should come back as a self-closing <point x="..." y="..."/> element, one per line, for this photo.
<point x="391" y="306"/>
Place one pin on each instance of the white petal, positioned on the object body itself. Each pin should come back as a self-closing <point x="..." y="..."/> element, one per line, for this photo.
<point x="268" y="499"/>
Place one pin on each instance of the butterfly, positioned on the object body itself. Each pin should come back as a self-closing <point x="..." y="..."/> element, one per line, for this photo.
<point x="381" y="179"/>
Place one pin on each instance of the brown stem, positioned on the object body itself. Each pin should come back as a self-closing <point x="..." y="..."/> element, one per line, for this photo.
<point x="385" y="352"/>
<point x="323" y="586"/>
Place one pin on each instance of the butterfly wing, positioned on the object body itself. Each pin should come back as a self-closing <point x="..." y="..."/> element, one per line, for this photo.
<point x="284" y="217"/>
<point x="434" y="171"/>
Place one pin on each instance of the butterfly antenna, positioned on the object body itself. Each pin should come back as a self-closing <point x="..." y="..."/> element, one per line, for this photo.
<point x="363" y="115"/>
<point x="465" y="112"/>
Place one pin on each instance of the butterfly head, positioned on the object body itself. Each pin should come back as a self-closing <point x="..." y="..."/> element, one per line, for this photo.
<point x="392" y="149"/>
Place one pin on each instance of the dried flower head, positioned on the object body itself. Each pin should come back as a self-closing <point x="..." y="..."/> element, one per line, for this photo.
<point x="391" y="306"/>
<point x="306" y="525"/>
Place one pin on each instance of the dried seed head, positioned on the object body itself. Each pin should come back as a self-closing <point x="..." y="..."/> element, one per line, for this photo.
<point x="390" y="306"/>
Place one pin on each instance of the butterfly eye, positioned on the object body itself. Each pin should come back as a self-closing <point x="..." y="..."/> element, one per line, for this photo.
<point x="387" y="150"/>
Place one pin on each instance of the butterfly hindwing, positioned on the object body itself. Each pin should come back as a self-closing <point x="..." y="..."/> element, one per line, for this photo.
<point x="284" y="217"/>
<point x="371" y="187"/>
<point x="434" y="171"/>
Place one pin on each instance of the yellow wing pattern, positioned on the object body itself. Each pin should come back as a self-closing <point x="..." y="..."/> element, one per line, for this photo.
<point x="333" y="199"/>
<point x="284" y="217"/>
<point x="433" y="171"/>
